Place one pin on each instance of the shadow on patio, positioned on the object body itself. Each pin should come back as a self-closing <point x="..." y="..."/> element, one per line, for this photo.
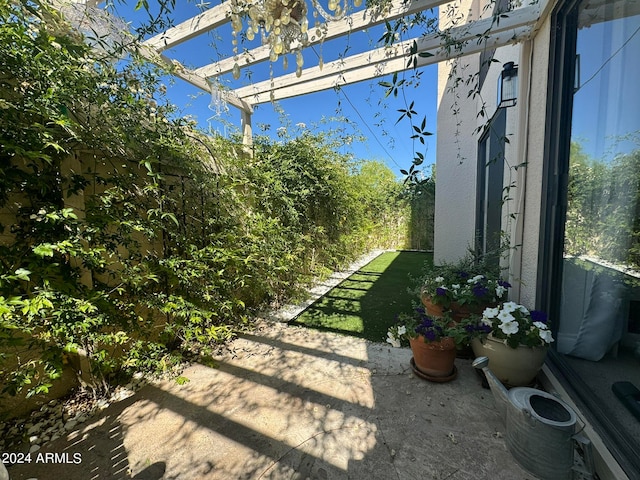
<point x="294" y="403"/>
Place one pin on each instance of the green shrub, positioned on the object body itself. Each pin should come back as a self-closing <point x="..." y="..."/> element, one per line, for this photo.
<point x="132" y="238"/>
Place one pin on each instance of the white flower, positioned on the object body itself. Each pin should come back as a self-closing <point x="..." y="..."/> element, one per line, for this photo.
<point x="509" y="328"/>
<point x="475" y="279"/>
<point x="500" y="290"/>
<point x="506" y="317"/>
<point x="510" y="307"/>
<point x="439" y="279"/>
<point x="455" y="286"/>
<point x="402" y="330"/>
<point x="546" y="335"/>
<point x="490" y="312"/>
<point x="523" y="309"/>
<point x="540" y="325"/>
<point x="393" y="340"/>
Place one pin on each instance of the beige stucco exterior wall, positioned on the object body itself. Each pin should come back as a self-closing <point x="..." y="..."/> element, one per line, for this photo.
<point x="455" y="153"/>
<point x="457" y="146"/>
<point x="538" y="52"/>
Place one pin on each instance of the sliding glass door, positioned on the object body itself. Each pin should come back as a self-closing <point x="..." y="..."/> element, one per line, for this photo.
<point x="593" y="286"/>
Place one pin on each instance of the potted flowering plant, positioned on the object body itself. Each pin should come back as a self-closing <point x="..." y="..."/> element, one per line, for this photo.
<point x="467" y="286"/>
<point x="433" y="342"/>
<point x="516" y="325"/>
<point x="452" y="289"/>
<point x="515" y="340"/>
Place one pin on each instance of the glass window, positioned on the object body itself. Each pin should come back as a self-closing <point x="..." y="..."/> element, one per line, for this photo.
<point x="598" y="333"/>
<point x="490" y="187"/>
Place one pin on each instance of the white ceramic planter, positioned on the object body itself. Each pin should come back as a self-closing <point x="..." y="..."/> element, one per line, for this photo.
<point x="515" y="367"/>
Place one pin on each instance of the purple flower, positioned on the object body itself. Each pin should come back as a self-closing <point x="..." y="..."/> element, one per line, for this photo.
<point x="463" y="274"/>
<point x="484" y="328"/>
<point x="479" y="290"/>
<point x="504" y="284"/>
<point x="479" y="328"/>
<point x="426" y="323"/>
<point x="441" y="291"/>
<point x="429" y="329"/>
<point x="538" y="316"/>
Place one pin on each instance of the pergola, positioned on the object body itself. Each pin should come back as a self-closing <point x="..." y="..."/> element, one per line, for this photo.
<point x="472" y="37"/>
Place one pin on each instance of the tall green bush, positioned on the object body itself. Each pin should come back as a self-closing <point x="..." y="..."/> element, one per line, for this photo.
<point x="422" y="198"/>
<point x="130" y="237"/>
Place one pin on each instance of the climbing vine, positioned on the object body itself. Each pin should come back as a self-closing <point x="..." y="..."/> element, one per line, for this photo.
<point x="132" y="240"/>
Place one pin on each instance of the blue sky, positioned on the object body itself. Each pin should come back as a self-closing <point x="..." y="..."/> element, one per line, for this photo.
<point x="369" y="113"/>
<point x="606" y="104"/>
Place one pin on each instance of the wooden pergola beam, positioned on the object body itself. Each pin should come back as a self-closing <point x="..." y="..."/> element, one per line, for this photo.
<point x="395" y="65"/>
<point x="473" y="37"/>
<point x="246" y="109"/>
<point x="154" y="56"/>
<point x="197" y="25"/>
<point x="189" y="76"/>
<point x="358" y="21"/>
<point x="384" y="61"/>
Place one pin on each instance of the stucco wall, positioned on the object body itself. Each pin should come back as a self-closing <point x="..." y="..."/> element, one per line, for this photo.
<point x="535" y="131"/>
<point x="457" y="145"/>
<point x="455" y="175"/>
<point x="454" y="222"/>
<point x="456" y="170"/>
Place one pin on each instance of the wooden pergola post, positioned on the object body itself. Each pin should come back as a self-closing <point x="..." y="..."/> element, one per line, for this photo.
<point x="247" y="133"/>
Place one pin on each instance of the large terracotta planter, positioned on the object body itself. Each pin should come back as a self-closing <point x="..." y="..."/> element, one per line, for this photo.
<point x="515" y="367"/>
<point x="434" y="359"/>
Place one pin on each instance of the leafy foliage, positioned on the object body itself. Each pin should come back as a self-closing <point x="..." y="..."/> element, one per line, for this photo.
<point x="603" y="206"/>
<point x="432" y="329"/>
<point x="132" y="239"/>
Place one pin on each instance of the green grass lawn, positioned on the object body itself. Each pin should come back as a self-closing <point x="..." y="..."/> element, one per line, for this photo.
<point x="366" y="304"/>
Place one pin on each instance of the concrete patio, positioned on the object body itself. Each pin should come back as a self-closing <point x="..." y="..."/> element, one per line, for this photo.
<point x="291" y="403"/>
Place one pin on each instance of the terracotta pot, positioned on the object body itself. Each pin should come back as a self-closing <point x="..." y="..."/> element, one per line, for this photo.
<point x="458" y="312"/>
<point x="515" y="367"/>
<point x="434" y="359"/>
<point x="432" y="309"/>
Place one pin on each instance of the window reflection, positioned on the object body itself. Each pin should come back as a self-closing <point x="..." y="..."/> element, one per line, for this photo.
<point x="599" y="325"/>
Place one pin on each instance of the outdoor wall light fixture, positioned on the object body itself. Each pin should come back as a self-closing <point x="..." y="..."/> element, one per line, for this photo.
<point x="508" y="85"/>
<point x="283" y="25"/>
